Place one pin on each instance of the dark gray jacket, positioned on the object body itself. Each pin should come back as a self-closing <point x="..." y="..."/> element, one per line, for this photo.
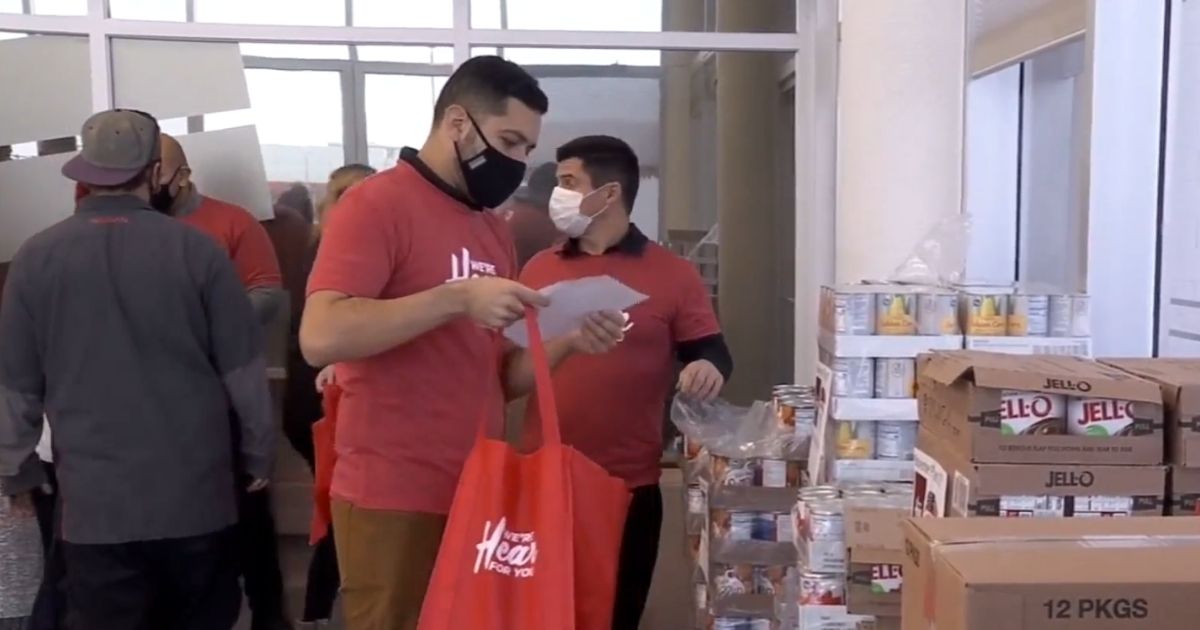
<point x="133" y="334"/>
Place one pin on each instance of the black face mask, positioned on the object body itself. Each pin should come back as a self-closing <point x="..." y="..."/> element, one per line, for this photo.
<point x="162" y="199"/>
<point x="491" y="176"/>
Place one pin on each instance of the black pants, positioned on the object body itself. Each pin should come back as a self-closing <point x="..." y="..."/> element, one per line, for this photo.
<point x="639" y="554"/>
<point x="258" y="550"/>
<point x="170" y="584"/>
<point x="50" y="607"/>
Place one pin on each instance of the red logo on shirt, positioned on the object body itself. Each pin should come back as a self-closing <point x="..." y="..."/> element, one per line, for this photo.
<point x="463" y="268"/>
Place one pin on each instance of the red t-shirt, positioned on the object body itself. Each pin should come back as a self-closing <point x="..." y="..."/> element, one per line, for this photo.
<point x="242" y="237"/>
<point x="611" y="405"/>
<point x="408" y="416"/>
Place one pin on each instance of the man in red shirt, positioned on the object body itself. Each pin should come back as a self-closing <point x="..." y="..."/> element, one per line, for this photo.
<point x="597" y="185"/>
<point x="412" y="271"/>
<point x="246" y="242"/>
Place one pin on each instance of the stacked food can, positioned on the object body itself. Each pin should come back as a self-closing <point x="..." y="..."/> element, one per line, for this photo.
<point x="1024" y="312"/>
<point x="819" y="525"/>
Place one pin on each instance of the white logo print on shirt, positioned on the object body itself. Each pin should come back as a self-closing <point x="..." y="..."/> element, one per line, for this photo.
<point x="463" y="268"/>
<point x="507" y="553"/>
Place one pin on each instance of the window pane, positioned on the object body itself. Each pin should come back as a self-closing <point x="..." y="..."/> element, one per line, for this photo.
<point x="299" y="119"/>
<point x="404" y="13"/>
<point x="59" y="7"/>
<point x="10" y="6"/>
<point x="407" y="54"/>
<point x="291" y="12"/>
<point x="296" y="51"/>
<point x="399" y="112"/>
<point x="576" y="56"/>
<point x="11" y="35"/>
<point x="159" y="10"/>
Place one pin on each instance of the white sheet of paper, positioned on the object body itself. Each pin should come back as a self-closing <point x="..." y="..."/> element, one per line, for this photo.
<point x="571" y="301"/>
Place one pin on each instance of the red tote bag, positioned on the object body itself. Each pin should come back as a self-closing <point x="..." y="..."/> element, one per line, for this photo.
<point x="533" y="540"/>
<point x="324" y="449"/>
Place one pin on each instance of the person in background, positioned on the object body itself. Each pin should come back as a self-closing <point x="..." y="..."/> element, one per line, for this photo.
<point x="412" y="270"/>
<point x="298" y="199"/>
<point x="529" y="218"/>
<point x="246" y="243"/>
<point x="131" y="333"/>
<point x="597" y="185"/>
<point x="296" y="242"/>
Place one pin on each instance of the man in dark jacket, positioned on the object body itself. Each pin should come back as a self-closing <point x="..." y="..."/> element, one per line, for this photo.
<point x="131" y="332"/>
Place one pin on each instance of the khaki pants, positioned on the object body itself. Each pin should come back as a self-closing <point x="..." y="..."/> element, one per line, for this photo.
<point x="386" y="559"/>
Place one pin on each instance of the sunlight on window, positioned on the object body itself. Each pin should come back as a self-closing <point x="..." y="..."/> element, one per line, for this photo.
<point x="570" y="15"/>
<point x="156" y="10"/>
<point x="59" y="7"/>
<point x="399" y="111"/>
<point x="404" y="13"/>
<point x="290" y="12"/>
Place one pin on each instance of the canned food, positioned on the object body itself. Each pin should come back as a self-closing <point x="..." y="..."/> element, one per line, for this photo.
<point x="825" y="522"/>
<point x="741" y="623"/>
<point x="1028" y="315"/>
<point x="1092" y="506"/>
<point x="853" y="378"/>
<point x="895" y="440"/>
<point x="769" y="580"/>
<point x="763" y="527"/>
<point x="778" y="473"/>
<point x="1032" y="413"/>
<point x="734" y="472"/>
<point x="855" y="439"/>
<point x="721" y="521"/>
<point x="733" y="579"/>
<point x="694" y="543"/>
<point x="886" y="578"/>
<point x="784" y="532"/>
<point x="896" y="314"/>
<point x="1070" y="316"/>
<point x="987" y="315"/>
<point x="937" y="314"/>
<point x="822" y="589"/>
<point x="1100" y="417"/>
<point x="742" y="525"/>
<point x="895" y="378"/>
<point x="691" y="449"/>
<point x="854" y="313"/>
<point x="1033" y="506"/>
<point x="862" y="489"/>
<point x="700" y="597"/>
<point x="697" y="503"/>
<point x="795" y="414"/>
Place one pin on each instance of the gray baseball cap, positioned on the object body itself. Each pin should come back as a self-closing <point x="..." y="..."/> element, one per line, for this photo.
<point x="117" y="146"/>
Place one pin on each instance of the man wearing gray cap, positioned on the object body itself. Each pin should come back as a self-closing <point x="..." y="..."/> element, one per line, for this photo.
<point x="131" y="332"/>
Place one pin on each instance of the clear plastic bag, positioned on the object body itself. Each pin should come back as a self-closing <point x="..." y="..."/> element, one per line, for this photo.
<point x="940" y="258"/>
<point x="738" y="432"/>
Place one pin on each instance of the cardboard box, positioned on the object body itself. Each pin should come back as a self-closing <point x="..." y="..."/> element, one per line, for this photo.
<point x="875" y="552"/>
<point x="1051" y="574"/>
<point x="1184" y="492"/>
<point x="955" y="486"/>
<point x="1179" y="380"/>
<point x="959" y="394"/>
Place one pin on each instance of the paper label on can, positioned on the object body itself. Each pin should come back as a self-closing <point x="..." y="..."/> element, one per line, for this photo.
<point x="896" y="315"/>
<point x="987" y="315"/>
<point x="886" y="578"/>
<point x="1033" y="506"/>
<point x="1086" y="506"/>
<point x="774" y="473"/>
<point x="696" y="501"/>
<point x="1100" y="417"/>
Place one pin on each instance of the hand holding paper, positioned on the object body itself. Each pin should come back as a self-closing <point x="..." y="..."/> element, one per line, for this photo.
<point x="572" y="301"/>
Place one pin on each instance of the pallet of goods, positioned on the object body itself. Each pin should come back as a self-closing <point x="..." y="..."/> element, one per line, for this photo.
<point x="743" y="470"/>
<point x="1025" y="319"/>
<point x="870" y="338"/>
<point x="1007" y="435"/>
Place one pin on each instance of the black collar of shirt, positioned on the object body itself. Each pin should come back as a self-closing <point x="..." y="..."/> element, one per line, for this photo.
<point x="112" y="203"/>
<point x="632" y="244"/>
<point x="410" y="156"/>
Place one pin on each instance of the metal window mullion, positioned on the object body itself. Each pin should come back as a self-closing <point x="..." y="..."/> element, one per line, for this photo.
<point x="27" y="7"/>
<point x="189" y="10"/>
<point x="355" y="117"/>
<point x="100" y="56"/>
<point x="461" y="31"/>
<point x="297" y="65"/>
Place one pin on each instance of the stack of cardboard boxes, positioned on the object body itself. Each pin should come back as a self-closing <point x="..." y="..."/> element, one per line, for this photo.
<point x="1005" y="435"/>
<point x="1179" y="380"/>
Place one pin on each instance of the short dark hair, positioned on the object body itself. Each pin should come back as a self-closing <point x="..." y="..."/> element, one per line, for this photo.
<point x="486" y="83"/>
<point x="606" y="159"/>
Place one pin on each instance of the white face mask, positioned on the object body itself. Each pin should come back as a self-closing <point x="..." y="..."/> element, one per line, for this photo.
<point x="567" y="213"/>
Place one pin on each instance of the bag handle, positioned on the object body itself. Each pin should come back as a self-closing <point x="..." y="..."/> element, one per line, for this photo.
<point x="543" y="384"/>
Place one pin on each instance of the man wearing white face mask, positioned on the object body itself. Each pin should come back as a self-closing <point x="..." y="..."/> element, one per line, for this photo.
<point x="612" y="405"/>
